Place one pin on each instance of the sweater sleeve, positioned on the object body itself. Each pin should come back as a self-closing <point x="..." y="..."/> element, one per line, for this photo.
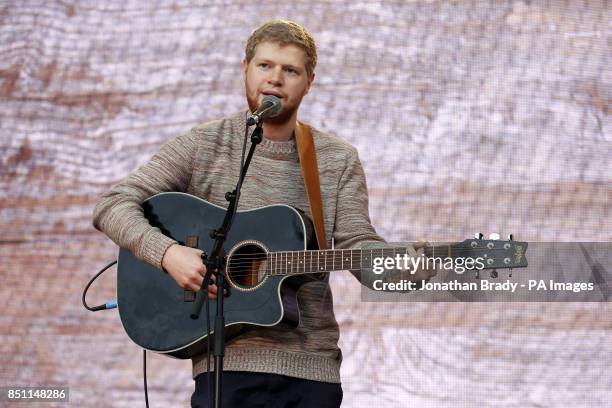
<point x="352" y="227"/>
<point x="119" y="213"/>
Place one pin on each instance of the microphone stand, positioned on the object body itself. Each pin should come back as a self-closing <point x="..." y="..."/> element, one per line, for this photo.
<point x="215" y="263"/>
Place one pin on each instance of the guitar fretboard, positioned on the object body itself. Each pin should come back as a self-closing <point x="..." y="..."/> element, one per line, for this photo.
<point x="303" y="262"/>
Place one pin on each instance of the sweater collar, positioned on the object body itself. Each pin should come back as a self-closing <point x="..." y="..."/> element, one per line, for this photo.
<point x="282" y="150"/>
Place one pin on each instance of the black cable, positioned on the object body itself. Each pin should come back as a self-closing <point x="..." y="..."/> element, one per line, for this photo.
<point x="112" y="305"/>
<point x="144" y="369"/>
<point x="106" y="306"/>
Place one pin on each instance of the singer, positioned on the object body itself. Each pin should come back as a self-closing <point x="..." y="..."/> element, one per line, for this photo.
<point x="264" y="366"/>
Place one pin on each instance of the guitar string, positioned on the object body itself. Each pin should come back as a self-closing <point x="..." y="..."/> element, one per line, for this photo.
<point x="339" y="252"/>
<point x="269" y="274"/>
<point x="310" y="256"/>
<point x="301" y="269"/>
<point x="269" y="269"/>
<point x="329" y="258"/>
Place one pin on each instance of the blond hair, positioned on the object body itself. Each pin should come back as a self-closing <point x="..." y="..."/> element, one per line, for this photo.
<point x="284" y="32"/>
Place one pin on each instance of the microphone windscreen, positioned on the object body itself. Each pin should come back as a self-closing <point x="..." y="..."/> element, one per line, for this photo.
<point x="275" y="105"/>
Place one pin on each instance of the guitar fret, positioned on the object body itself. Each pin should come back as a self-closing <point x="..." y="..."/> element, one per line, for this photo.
<point x="321" y="267"/>
<point x="325" y="268"/>
<point x="364" y="259"/>
<point x="301" y="262"/>
<point x="295" y="256"/>
<point x="324" y="261"/>
<point x="312" y="266"/>
<point x="335" y="265"/>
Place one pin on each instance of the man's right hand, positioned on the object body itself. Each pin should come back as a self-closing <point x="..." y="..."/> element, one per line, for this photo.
<point x="185" y="266"/>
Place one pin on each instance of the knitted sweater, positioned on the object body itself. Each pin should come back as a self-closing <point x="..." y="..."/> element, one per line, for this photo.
<point x="205" y="162"/>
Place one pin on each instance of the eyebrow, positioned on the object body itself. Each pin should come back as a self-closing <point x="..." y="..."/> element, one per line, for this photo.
<point x="283" y="65"/>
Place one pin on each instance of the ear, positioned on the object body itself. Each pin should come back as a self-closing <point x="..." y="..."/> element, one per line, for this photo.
<point x="245" y="66"/>
<point x="310" y="81"/>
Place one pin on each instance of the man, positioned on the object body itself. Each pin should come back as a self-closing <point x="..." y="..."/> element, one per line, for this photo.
<point x="265" y="366"/>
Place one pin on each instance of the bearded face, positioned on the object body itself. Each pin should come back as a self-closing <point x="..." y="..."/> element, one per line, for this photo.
<point x="278" y="70"/>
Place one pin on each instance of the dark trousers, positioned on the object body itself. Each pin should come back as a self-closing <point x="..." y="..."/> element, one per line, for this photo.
<point x="246" y="390"/>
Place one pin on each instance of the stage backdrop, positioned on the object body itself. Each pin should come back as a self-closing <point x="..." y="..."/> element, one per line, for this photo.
<point x="478" y="115"/>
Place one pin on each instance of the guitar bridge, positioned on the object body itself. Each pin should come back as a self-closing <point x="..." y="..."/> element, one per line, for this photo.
<point x="189" y="296"/>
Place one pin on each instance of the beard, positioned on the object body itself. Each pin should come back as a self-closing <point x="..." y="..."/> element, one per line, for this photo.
<point x="284" y="116"/>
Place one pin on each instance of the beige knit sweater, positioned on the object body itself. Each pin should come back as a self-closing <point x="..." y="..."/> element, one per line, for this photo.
<point x="205" y="162"/>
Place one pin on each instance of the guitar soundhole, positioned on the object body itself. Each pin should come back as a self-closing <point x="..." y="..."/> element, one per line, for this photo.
<point x="246" y="267"/>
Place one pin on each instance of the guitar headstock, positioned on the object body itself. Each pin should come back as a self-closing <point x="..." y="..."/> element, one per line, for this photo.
<point x="495" y="253"/>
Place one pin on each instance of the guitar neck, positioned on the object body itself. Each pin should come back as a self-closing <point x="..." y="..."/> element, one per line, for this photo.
<point x="319" y="261"/>
<point x="493" y="254"/>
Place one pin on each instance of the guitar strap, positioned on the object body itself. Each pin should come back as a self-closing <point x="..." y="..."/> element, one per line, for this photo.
<point x="310" y="172"/>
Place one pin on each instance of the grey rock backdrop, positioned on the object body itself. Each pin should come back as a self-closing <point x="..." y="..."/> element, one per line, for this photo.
<point x="469" y="116"/>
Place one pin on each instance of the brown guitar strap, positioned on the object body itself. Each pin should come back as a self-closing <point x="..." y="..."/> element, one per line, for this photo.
<point x="310" y="172"/>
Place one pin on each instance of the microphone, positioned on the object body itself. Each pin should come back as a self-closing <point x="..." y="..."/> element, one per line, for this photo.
<point x="270" y="107"/>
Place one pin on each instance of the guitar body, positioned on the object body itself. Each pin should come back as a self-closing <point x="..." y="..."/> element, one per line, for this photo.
<point x="155" y="311"/>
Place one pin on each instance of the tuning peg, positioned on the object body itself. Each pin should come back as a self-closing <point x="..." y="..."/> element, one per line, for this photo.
<point x="478" y="235"/>
<point x="494" y="273"/>
<point x="494" y="236"/>
<point x="510" y="237"/>
<point x="510" y="274"/>
<point x="477" y="275"/>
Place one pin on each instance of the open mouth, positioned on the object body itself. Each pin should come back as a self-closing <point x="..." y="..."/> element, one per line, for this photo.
<point x="273" y="93"/>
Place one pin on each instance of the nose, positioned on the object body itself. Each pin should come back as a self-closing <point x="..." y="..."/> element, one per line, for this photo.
<point x="276" y="76"/>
